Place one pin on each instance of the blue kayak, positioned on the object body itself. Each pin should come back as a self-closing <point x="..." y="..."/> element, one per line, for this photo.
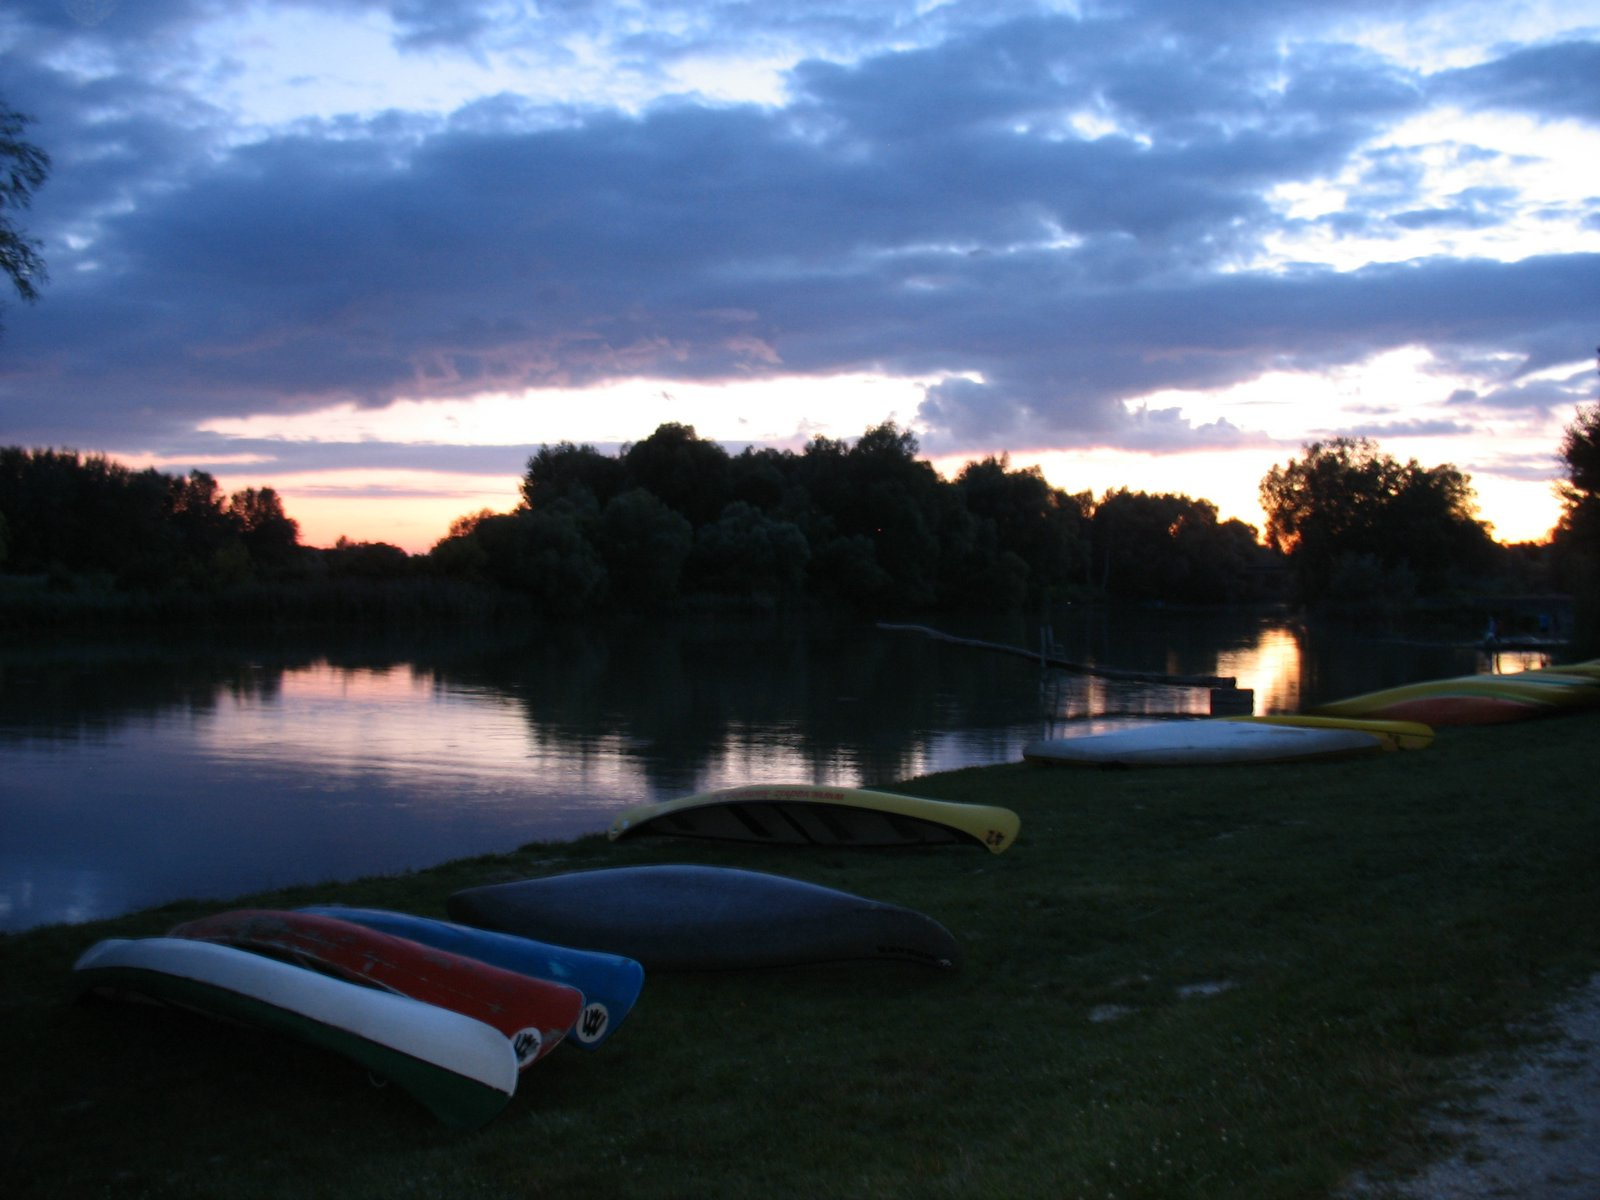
<point x="679" y="917"/>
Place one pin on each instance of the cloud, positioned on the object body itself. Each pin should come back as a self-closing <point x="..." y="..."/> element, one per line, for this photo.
<point x="1542" y="396"/>
<point x="1053" y="215"/>
<point x="1561" y="79"/>
<point x="220" y="454"/>
<point x="1536" y="468"/>
<point x="1414" y="428"/>
<point x="1474" y="208"/>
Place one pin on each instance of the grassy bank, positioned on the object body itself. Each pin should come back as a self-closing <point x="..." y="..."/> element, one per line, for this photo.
<point x="1206" y="983"/>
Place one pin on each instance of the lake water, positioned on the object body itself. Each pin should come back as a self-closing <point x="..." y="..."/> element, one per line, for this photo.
<point x="136" y="774"/>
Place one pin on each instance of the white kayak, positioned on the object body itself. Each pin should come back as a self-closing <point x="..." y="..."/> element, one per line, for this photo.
<point x="1191" y="743"/>
<point x="462" y="1069"/>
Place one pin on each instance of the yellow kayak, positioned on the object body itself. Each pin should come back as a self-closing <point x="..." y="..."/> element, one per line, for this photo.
<point x="1392" y="735"/>
<point x="1471" y="699"/>
<point x="804" y="815"/>
<point x="1589" y="669"/>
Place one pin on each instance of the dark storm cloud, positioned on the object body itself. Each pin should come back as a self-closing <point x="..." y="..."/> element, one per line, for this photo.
<point x="649" y="33"/>
<point x="1059" y="213"/>
<point x="120" y="19"/>
<point x="1215" y="331"/>
<point x="1558" y="80"/>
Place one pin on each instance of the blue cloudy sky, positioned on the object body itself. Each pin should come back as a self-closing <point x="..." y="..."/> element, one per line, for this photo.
<point x="374" y="252"/>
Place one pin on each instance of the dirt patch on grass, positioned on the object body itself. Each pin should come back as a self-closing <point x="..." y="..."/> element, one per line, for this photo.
<point x="1530" y="1129"/>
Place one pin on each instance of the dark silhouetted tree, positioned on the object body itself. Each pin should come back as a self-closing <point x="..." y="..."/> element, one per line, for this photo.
<point x="845" y="570"/>
<point x="270" y="536"/>
<point x="1580" y="492"/>
<point x="579" y="475"/>
<point x="644" y="545"/>
<point x="1577" y="537"/>
<point x="1345" y="499"/>
<point x="878" y="490"/>
<point x="460" y="554"/>
<point x="1043" y="526"/>
<point x="23" y="169"/>
<point x="87" y="519"/>
<point x="688" y="474"/>
<point x="1172" y="548"/>
<point x="765" y="478"/>
<point x="746" y="553"/>
<point x="367" y="560"/>
<point x="542" y="555"/>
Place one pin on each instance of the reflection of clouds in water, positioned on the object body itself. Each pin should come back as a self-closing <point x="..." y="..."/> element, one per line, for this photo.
<point x="90" y="12"/>
<point x="389" y="722"/>
<point x="773" y="754"/>
<point x="215" y="785"/>
<point x="402" y="727"/>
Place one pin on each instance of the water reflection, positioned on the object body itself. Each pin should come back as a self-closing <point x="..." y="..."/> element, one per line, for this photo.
<point x="135" y="775"/>
<point x="1270" y="668"/>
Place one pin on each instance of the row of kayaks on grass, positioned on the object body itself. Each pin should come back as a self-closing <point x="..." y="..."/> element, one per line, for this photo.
<point x="1401" y="718"/>
<point x="455" y="1011"/>
<point x="1479" y="699"/>
<point x="451" y="1014"/>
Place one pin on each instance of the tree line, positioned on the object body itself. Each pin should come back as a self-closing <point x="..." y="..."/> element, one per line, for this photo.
<point x="867" y="526"/>
<point x="86" y="520"/>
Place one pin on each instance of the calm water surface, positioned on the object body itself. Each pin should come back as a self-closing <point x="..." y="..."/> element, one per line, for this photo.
<point x="133" y="775"/>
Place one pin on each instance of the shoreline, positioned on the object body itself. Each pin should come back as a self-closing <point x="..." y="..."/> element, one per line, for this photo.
<point x="1349" y="939"/>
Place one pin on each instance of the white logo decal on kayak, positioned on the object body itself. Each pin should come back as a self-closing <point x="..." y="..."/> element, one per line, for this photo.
<point x="527" y="1043"/>
<point x="592" y="1024"/>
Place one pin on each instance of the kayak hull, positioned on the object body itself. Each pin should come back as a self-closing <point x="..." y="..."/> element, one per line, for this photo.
<point x="533" y="1013"/>
<point x="461" y="1069"/>
<point x="609" y="983"/>
<point x="698" y="918"/>
<point x="802" y="815"/>
<point x="1199" y="743"/>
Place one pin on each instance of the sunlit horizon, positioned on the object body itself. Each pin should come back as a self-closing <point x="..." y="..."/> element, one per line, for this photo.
<point x="1513" y="475"/>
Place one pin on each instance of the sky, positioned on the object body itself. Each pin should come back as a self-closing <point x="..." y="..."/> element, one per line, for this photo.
<point x="374" y="253"/>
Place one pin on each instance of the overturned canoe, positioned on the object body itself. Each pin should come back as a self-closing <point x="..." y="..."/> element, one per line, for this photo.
<point x="696" y="918"/>
<point x="534" y="1014"/>
<point x="610" y="983"/>
<point x="1195" y="743"/>
<point x="462" y="1070"/>
<point x="802" y="815"/>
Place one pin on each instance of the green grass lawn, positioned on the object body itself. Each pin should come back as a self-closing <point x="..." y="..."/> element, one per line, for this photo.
<point x="1225" y="982"/>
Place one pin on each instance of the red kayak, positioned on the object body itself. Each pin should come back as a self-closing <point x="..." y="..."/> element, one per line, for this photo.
<point x="535" y="1014"/>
